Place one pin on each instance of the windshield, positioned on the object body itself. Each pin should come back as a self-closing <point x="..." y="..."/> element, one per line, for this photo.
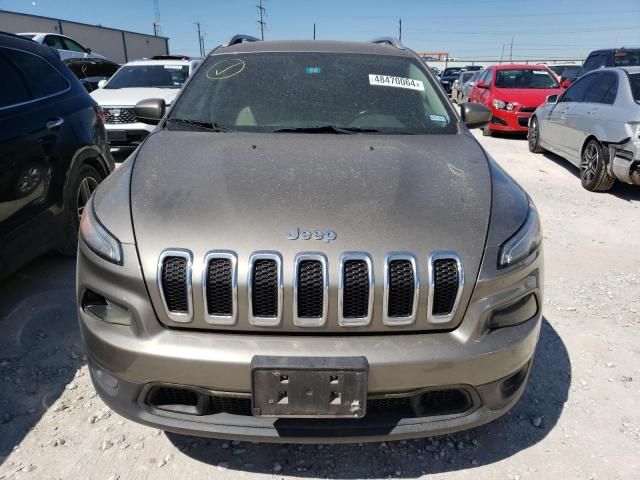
<point x="525" y="78"/>
<point x="448" y="72"/>
<point x="467" y="76"/>
<point x="626" y="58"/>
<point x="322" y="92"/>
<point x="159" y="76"/>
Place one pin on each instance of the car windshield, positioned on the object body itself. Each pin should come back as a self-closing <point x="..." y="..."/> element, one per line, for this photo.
<point x="466" y="76"/>
<point x="313" y="92"/>
<point x="160" y="76"/>
<point x="451" y="71"/>
<point x="626" y="58"/>
<point x="634" y="81"/>
<point x="525" y="78"/>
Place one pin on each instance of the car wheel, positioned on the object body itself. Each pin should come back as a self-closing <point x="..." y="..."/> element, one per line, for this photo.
<point x="593" y="168"/>
<point x="486" y="131"/>
<point x="76" y="197"/>
<point x="534" y="136"/>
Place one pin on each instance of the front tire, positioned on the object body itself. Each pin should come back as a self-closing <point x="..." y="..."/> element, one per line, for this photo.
<point x="533" y="136"/>
<point x="593" y="168"/>
<point x="77" y="195"/>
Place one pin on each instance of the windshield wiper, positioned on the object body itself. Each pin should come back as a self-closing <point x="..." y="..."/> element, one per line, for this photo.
<point x="212" y="127"/>
<point x="326" y="129"/>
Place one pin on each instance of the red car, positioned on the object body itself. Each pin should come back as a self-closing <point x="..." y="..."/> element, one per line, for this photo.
<point x="513" y="92"/>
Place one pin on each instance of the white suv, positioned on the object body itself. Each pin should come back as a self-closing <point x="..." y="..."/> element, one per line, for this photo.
<point x="160" y="77"/>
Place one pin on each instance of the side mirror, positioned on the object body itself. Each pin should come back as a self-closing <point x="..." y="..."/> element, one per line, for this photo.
<point x="88" y="50"/>
<point x="102" y="83"/>
<point x="475" y="115"/>
<point x="552" y="99"/>
<point x="484" y="85"/>
<point x="150" y="110"/>
<point x="565" y="83"/>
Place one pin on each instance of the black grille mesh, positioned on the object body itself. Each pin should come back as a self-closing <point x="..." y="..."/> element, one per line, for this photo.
<point x="401" y="288"/>
<point x="174" y="284"/>
<point x="219" y="287"/>
<point x="355" y="302"/>
<point x="446" y="285"/>
<point x="264" y="293"/>
<point x="310" y="289"/>
<point x="119" y="115"/>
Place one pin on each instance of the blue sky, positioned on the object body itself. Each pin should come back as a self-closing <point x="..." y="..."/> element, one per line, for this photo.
<point x="466" y="29"/>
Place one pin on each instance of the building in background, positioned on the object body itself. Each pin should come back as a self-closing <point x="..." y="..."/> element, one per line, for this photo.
<point x="119" y="46"/>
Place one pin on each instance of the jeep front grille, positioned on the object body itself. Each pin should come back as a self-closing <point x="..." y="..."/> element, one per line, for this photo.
<point x="446" y="278"/>
<point x="174" y="277"/>
<point x="265" y="289"/>
<point x="311" y="290"/>
<point x="220" y="287"/>
<point x="356" y="290"/>
<point x="401" y="289"/>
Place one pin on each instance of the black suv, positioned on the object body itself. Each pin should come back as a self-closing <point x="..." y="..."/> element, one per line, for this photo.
<point x="611" y="57"/>
<point x="53" y="152"/>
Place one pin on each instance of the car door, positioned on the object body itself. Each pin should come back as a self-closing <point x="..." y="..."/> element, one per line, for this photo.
<point x="480" y="94"/>
<point x="76" y="50"/>
<point x="586" y="116"/>
<point x="29" y="142"/>
<point x="554" y="128"/>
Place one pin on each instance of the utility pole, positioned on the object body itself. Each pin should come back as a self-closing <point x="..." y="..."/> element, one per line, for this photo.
<point x="261" y="22"/>
<point x="156" y="19"/>
<point x="314" y="31"/>
<point x="400" y="30"/>
<point x="199" y="39"/>
<point x="502" y="54"/>
<point x="511" y="51"/>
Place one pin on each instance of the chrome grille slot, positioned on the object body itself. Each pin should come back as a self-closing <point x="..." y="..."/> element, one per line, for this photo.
<point x="174" y="280"/>
<point x="311" y="290"/>
<point x="355" y="295"/>
<point x="400" y="289"/>
<point x="220" y="287"/>
<point x="446" y="281"/>
<point x="265" y="289"/>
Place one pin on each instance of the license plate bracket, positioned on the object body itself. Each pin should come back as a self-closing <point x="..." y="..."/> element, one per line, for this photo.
<point x="309" y="387"/>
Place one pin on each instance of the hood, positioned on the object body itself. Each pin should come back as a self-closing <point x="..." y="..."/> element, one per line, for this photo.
<point x="245" y="192"/>
<point x="526" y="97"/>
<point x="131" y="96"/>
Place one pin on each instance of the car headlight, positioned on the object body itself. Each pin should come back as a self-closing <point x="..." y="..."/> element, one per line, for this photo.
<point x="98" y="238"/>
<point x="502" y="105"/>
<point x="524" y="242"/>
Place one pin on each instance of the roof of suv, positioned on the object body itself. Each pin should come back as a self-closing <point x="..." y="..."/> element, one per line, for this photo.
<point x="316" y="46"/>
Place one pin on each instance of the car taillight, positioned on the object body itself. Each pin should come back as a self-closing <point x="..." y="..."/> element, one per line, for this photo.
<point x="101" y="114"/>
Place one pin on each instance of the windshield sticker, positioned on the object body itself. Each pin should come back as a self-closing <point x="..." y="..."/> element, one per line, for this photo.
<point x="225" y="69"/>
<point x="438" y="118"/>
<point x="173" y="67"/>
<point x="312" y="70"/>
<point x="539" y="72"/>
<point x="398" y="82"/>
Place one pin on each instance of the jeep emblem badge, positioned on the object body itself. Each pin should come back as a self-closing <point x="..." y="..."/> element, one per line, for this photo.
<point x="304" y="234"/>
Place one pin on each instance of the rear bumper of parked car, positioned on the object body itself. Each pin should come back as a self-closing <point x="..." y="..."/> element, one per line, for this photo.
<point x="126" y="136"/>
<point x="625" y="162"/>
<point x="467" y="377"/>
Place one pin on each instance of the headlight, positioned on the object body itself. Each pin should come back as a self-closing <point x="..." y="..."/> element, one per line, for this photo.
<point x="98" y="238"/>
<point x="524" y="242"/>
<point x="501" y="105"/>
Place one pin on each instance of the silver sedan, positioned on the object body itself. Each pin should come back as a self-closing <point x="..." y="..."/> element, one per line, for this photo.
<point x="595" y="124"/>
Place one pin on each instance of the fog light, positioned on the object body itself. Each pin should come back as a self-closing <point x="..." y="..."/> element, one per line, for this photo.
<point x="106" y="380"/>
<point x="105" y="309"/>
<point x="515" y="313"/>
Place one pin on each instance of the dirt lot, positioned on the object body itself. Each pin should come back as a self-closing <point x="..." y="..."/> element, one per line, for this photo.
<point x="579" y="417"/>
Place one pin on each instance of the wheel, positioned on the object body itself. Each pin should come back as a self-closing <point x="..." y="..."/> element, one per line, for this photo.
<point x="486" y="131"/>
<point x="534" y="136"/>
<point x="77" y="195"/>
<point x="593" y="168"/>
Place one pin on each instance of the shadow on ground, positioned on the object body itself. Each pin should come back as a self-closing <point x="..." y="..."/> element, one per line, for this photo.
<point x="543" y="399"/>
<point x="40" y="345"/>
<point x="624" y="191"/>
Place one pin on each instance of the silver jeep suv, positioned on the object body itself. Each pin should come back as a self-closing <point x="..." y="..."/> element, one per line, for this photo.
<point x="310" y="247"/>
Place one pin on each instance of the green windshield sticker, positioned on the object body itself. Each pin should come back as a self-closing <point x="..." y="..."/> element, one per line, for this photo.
<point x="312" y="70"/>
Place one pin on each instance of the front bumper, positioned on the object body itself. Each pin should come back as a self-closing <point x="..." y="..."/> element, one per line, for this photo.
<point x="506" y="121"/>
<point x="126" y="136"/>
<point x="146" y="353"/>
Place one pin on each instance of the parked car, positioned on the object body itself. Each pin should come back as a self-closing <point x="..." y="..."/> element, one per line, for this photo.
<point x="559" y="68"/>
<point x="595" y="124"/>
<point x="351" y="254"/>
<point x="472" y="68"/>
<point x="66" y="47"/>
<point x="449" y="75"/>
<point x="159" y="77"/>
<point x="513" y="92"/>
<point x="456" y="88"/>
<point x="53" y="153"/>
<point x="468" y="86"/>
<point x="91" y="71"/>
<point x="569" y="75"/>
<point x="612" y="57"/>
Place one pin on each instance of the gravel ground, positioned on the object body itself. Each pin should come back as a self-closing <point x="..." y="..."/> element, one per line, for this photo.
<point x="578" y="418"/>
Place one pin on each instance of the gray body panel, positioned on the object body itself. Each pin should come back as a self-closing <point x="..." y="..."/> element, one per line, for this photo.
<point x="244" y="192"/>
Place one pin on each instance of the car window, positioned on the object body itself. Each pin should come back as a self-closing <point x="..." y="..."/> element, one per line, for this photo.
<point x="158" y="76"/>
<point x="54" y="41"/>
<point x="602" y="89"/>
<point x="634" y="83"/>
<point x="13" y="89"/>
<point x="270" y="91"/>
<point x="525" y="78"/>
<point x="595" y="61"/>
<point x="626" y="58"/>
<point x="485" y="77"/>
<point x="41" y="77"/>
<point x="73" y="45"/>
<point x="577" y="91"/>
